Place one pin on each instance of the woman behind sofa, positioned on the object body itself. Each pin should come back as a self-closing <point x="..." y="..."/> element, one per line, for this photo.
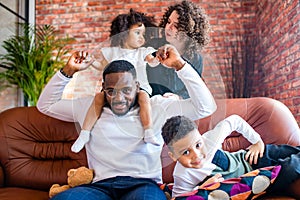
<point x="186" y="26"/>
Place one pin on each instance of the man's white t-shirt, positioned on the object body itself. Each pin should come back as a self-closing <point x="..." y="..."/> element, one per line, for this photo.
<point x="116" y="146"/>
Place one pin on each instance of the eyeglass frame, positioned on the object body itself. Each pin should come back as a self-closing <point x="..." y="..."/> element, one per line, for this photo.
<point x="115" y="91"/>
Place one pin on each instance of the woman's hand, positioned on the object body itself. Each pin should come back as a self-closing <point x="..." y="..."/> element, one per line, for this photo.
<point x="254" y="152"/>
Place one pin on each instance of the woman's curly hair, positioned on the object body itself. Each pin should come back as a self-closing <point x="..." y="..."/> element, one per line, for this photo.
<point x="193" y="21"/>
<point x="122" y="23"/>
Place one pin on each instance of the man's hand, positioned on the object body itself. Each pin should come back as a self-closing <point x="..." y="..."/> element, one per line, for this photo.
<point x="78" y="61"/>
<point x="255" y="151"/>
<point x="170" y="57"/>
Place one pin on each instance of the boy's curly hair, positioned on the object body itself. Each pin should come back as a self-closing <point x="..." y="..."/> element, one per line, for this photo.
<point x="122" y="23"/>
<point x="193" y="21"/>
<point x="175" y="128"/>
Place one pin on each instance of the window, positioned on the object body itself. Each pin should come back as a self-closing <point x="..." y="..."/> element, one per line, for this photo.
<point x="11" y="12"/>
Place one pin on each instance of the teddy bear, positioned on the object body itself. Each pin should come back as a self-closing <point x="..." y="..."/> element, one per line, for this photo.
<point x="79" y="176"/>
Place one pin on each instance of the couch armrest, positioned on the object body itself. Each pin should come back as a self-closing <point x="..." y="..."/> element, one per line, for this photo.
<point x="269" y="117"/>
<point x="35" y="150"/>
<point x="1" y="176"/>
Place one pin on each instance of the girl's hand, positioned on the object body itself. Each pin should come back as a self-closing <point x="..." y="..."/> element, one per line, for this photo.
<point x="99" y="61"/>
<point x="254" y="152"/>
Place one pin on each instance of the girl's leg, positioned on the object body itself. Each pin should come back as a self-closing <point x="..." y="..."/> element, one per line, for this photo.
<point x="94" y="112"/>
<point x="91" y="117"/>
<point x="145" y="109"/>
<point x="145" y="115"/>
<point x="288" y="157"/>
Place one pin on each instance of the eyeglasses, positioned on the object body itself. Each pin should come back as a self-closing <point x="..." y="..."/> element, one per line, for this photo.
<point x="112" y="92"/>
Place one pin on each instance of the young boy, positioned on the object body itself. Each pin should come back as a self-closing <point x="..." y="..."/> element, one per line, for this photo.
<point x="127" y="37"/>
<point x="200" y="156"/>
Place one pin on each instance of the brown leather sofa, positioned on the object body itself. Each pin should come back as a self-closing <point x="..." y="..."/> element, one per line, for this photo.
<point x="35" y="149"/>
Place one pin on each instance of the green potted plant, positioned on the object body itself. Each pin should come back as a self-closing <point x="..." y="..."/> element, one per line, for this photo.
<point x="32" y="58"/>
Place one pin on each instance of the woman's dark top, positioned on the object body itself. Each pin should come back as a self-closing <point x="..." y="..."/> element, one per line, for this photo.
<point x="163" y="79"/>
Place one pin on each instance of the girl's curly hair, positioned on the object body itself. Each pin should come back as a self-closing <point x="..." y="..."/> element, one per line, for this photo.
<point x="192" y="21"/>
<point x="122" y="23"/>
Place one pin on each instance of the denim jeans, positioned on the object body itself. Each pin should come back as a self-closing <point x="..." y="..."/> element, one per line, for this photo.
<point x="117" y="188"/>
<point x="288" y="157"/>
<point x="285" y="155"/>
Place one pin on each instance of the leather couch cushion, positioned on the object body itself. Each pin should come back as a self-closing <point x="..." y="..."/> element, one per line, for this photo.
<point x="13" y="193"/>
<point x="36" y="150"/>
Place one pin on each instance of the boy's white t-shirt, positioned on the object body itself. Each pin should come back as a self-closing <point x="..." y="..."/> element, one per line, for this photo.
<point x="186" y="179"/>
<point x="136" y="57"/>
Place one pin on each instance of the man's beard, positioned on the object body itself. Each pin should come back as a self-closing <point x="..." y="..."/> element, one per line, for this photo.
<point x="134" y="104"/>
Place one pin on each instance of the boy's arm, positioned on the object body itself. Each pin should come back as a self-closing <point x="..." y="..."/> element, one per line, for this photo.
<point x="240" y="125"/>
<point x="236" y="123"/>
<point x="254" y="152"/>
<point x="214" y="179"/>
<point x="232" y="123"/>
<point x="257" y="148"/>
<point x="187" y="179"/>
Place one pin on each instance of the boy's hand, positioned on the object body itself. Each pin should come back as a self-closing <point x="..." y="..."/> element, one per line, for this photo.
<point x="78" y="61"/>
<point x="170" y="57"/>
<point x="254" y="152"/>
<point x="214" y="179"/>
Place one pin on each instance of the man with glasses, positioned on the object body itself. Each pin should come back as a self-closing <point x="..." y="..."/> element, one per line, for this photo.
<point x="125" y="166"/>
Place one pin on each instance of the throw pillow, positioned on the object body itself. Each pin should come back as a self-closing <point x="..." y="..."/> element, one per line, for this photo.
<point x="248" y="186"/>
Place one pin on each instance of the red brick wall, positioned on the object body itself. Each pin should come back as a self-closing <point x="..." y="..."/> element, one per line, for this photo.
<point x="89" y="23"/>
<point x="231" y="21"/>
<point x="8" y="98"/>
<point x="278" y="57"/>
<point x="274" y="24"/>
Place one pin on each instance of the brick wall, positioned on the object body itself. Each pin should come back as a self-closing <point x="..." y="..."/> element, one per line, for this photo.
<point x="278" y="57"/>
<point x="232" y="22"/>
<point x="273" y="24"/>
